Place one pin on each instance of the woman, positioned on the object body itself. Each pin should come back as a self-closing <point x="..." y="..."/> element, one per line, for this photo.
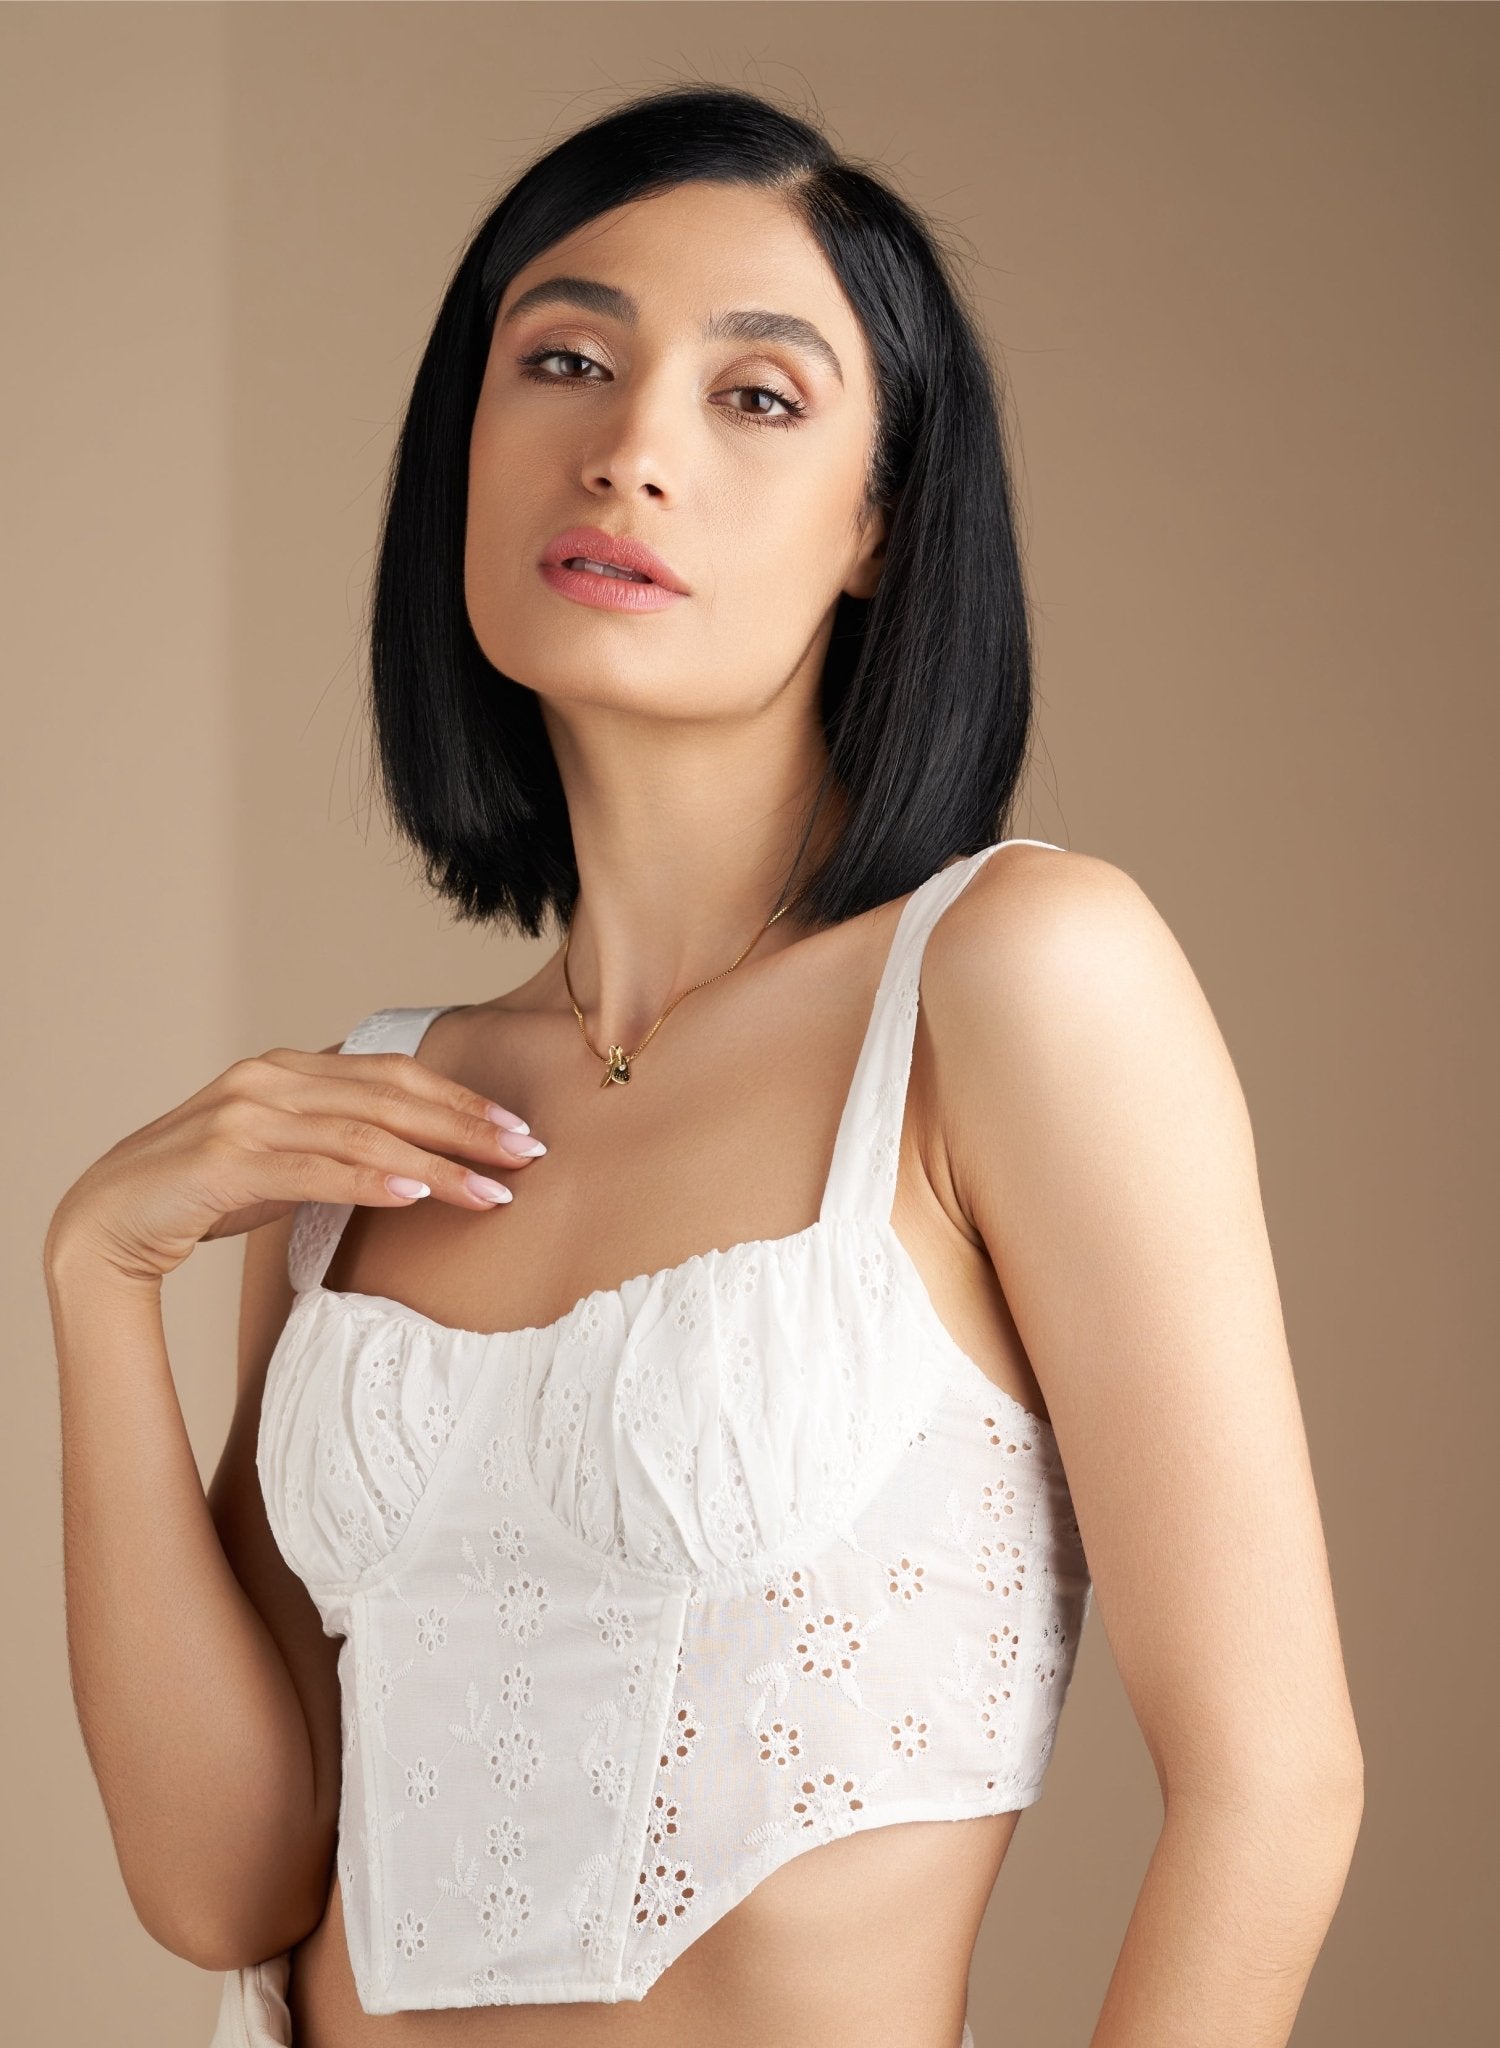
<point x="670" y="1658"/>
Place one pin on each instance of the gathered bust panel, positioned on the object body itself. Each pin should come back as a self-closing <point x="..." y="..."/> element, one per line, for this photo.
<point x="731" y="1560"/>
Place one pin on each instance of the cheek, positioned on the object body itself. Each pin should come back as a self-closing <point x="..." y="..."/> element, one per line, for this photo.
<point x="496" y="526"/>
<point x="490" y="464"/>
<point x="491" y="550"/>
<point x="785" y="555"/>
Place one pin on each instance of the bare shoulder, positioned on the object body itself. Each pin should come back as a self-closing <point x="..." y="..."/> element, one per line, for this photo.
<point x="1052" y="973"/>
<point x="1034" y="912"/>
<point x="1098" y="1140"/>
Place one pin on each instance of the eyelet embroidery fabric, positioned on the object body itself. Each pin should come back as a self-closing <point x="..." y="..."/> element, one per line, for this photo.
<point x="729" y="1561"/>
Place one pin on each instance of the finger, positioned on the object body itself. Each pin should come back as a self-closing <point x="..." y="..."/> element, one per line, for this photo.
<point x="412" y="1099"/>
<point x="308" y="1156"/>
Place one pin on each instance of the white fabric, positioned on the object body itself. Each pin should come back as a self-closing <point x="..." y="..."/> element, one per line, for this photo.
<point x="730" y="1560"/>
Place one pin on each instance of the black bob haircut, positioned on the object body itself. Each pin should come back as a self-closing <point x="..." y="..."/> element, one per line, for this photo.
<point x="925" y="695"/>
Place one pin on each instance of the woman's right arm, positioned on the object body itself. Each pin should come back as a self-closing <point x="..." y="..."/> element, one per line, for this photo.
<point x="204" y="1685"/>
<point x="217" y="1765"/>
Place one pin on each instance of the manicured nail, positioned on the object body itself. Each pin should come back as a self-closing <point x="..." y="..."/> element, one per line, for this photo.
<point x="533" y="1148"/>
<point x="487" y="1190"/>
<point x="497" y="1115"/>
<point x="409" y="1190"/>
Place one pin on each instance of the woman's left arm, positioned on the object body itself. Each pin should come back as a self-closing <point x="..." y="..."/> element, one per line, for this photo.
<point x="1098" y="1142"/>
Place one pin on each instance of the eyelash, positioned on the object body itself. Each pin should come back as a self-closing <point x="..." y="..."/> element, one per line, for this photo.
<point x="531" y="367"/>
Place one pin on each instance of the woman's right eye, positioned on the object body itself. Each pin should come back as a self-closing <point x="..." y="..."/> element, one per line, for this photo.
<point x="531" y="364"/>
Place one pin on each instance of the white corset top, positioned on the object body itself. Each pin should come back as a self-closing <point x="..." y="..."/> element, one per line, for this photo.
<point x="727" y="1561"/>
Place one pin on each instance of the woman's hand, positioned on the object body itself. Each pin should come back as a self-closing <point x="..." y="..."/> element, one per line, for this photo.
<point x="380" y="1129"/>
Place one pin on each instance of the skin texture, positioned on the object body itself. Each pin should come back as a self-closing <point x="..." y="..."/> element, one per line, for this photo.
<point x="1077" y="1182"/>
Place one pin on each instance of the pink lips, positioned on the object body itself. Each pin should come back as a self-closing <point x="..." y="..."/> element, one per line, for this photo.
<point x="612" y="593"/>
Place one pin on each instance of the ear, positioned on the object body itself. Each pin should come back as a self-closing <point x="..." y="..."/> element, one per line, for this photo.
<point x="865" y="571"/>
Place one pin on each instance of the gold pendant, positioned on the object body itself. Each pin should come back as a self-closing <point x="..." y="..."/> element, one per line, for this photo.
<point x="617" y="1067"/>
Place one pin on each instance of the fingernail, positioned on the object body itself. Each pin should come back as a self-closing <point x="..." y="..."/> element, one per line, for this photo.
<point x="531" y="1149"/>
<point x="487" y="1190"/>
<point x="497" y="1115"/>
<point x="410" y="1190"/>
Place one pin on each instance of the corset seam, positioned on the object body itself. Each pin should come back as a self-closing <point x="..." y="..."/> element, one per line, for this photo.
<point x="374" y="1819"/>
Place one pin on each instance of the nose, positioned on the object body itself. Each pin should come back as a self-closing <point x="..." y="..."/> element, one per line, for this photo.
<point x="635" y="447"/>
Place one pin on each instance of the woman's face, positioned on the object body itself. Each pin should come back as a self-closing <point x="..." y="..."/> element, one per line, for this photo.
<point x="739" y="457"/>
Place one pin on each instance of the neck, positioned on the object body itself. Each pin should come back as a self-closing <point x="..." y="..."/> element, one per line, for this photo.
<point x="683" y="906"/>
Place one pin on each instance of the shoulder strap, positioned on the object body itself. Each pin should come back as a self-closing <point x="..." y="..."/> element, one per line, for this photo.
<point x="866" y="1152"/>
<point x="318" y="1226"/>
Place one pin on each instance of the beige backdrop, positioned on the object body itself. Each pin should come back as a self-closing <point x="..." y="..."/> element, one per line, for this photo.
<point x="1235" y="261"/>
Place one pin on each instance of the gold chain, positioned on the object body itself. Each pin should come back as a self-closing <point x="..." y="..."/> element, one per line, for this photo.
<point x="617" y="1062"/>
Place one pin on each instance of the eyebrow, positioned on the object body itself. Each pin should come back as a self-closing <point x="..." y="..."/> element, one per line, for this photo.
<point x="744" y="323"/>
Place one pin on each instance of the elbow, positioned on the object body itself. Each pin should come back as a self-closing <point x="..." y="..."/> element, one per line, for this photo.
<point x="1349" y="1780"/>
<point x="217" y="1946"/>
<point x="1333" y="1813"/>
<point x="203" y="1947"/>
<point x="238" y="1896"/>
<point x="1268" y="1768"/>
<point x="1320" y="1803"/>
<point x="197" y="1939"/>
<point x="1335" y="1787"/>
<point x="231" y="1937"/>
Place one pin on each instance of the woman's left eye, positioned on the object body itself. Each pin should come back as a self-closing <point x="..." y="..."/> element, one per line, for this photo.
<point x="793" y="407"/>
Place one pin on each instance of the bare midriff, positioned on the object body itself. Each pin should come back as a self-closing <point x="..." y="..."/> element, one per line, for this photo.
<point x="865" y="1939"/>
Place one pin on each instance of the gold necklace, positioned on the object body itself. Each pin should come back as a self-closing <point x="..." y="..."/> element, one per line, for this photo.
<point x="617" y="1062"/>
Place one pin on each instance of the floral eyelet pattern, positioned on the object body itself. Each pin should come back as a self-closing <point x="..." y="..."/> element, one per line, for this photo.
<point x="730" y="1561"/>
